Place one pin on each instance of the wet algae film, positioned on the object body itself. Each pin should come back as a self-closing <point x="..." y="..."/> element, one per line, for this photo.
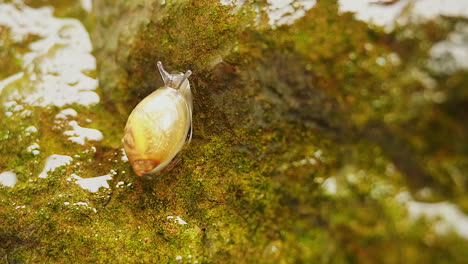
<point x="311" y="140"/>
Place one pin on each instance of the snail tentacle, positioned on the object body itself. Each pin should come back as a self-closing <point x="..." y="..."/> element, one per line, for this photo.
<point x="167" y="77"/>
<point x="186" y="75"/>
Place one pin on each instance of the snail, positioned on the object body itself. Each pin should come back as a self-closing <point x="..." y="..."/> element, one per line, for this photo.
<point x="160" y="124"/>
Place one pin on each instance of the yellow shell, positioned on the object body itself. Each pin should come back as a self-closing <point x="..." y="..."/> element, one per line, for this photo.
<point x="158" y="127"/>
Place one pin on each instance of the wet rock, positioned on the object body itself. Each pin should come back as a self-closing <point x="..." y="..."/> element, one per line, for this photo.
<point x="316" y="136"/>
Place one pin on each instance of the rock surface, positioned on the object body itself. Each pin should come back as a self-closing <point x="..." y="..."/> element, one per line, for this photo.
<point x="316" y="136"/>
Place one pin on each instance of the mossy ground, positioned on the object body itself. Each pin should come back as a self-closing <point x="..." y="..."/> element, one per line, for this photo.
<point x="277" y="113"/>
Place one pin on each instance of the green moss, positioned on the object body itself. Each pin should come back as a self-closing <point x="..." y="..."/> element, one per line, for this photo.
<point x="278" y="114"/>
<point x="228" y="201"/>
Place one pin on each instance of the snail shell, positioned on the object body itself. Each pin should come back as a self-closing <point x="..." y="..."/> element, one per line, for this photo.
<point x="158" y="127"/>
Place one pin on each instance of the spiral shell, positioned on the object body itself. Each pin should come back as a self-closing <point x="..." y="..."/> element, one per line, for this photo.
<point x="160" y="124"/>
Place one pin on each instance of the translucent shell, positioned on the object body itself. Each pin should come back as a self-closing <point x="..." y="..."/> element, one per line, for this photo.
<point x="157" y="128"/>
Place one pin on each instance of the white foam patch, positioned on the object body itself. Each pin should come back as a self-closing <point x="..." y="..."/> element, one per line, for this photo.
<point x="231" y="2"/>
<point x="449" y="215"/>
<point x="177" y="220"/>
<point x="282" y="12"/>
<point x="93" y="184"/>
<point x="330" y="185"/>
<point x="8" y="178"/>
<point x="124" y="155"/>
<point x="451" y="54"/>
<point x="31" y="129"/>
<point x="33" y="148"/>
<point x="79" y="134"/>
<point x="87" y="5"/>
<point x="65" y="113"/>
<point x="82" y="204"/>
<point x="368" y="11"/>
<point x="386" y="15"/>
<point x="432" y="8"/>
<point x="57" y="63"/>
<point x="54" y="161"/>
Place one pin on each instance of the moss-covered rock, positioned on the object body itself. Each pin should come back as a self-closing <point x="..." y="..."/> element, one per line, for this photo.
<point x="304" y="135"/>
<point x="326" y="71"/>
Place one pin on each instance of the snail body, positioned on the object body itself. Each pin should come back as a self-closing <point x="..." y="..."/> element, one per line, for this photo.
<point x="159" y="125"/>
